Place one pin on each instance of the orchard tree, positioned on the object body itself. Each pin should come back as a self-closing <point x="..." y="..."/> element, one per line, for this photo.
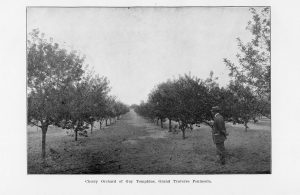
<point x="145" y="109"/>
<point x="133" y="106"/>
<point x="120" y="109"/>
<point x="168" y="100"/>
<point x="246" y="105"/>
<point x="191" y="102"/>
<point x="154" y="100"/>
<point x="96" y="99"/>
<point x="109" y="109"/>
<point x="102" y="111"/>
<point x="219" y="96"/>
<point x="253" y="67"/>
<point x="237" y="102"/>
<point x="50" y="70"/>
<point x="211" y="81"/>
<point x="254" y="62"/>
<point x="162" y="100"/>
<point x="78" y="110"/>
<point x="186" y="100"/>
<point x="86" y="102"/>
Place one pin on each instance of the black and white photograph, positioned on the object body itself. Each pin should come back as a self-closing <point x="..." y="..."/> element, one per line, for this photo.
<point x="149" y="90"/>
<point x="149" y="97"/>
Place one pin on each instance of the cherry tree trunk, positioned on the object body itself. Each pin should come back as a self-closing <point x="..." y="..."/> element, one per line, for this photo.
<point x="170" y="125"/>
<point x="44" y="131"/>
<point x="76" y="132"/>
<point x="246" y="126"/>
<point x="183" y="133"/>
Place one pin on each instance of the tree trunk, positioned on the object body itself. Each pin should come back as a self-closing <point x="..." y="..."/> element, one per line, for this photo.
<point x="44" y="131"/>
<point x="106" y="122"/>
<point x="170" y="125"/>
<point x="100" y="123"/>
<point x="161" y="123"/>
<point x="92" y="125"/>
<point x="246" y="126"/>
<point x="183" y="133"/>
<point x="76" y="131"/>
<point x="157" y="122"/>
<point x="110" y="121"/>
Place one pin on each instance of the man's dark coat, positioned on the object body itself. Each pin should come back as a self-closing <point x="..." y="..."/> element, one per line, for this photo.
<point x="219" y="130"/>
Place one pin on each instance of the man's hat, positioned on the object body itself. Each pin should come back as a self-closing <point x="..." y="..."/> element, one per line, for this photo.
<point x="215" y="109"/>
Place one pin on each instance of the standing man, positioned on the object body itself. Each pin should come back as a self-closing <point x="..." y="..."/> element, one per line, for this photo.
<point x="219" y="133"/>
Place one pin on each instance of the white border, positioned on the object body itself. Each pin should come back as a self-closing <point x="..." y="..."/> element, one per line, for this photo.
<point x="285" y="104"/>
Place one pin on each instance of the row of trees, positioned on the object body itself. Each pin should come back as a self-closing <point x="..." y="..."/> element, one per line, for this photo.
<point x="61" y="92"/>
<point x="188" y="99"/>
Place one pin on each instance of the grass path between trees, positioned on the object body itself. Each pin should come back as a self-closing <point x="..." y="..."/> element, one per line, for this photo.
<point x="134" y="145"/>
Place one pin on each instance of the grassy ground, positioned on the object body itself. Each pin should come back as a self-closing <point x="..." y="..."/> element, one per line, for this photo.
<point x="135" y="145"/>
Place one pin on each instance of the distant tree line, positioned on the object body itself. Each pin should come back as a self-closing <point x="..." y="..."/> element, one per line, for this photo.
<point x="61" y="92"/>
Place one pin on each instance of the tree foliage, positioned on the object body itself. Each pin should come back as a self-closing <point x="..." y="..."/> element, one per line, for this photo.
<point x="50" y="70"/>
<point x="186" y="100"/>
<point x="254" y="57"/>
<point x="60" y="92"/>
<point x="251" y="76"/>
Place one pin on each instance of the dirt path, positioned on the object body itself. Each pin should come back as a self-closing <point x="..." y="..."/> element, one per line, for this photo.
<point x="123" y="147"/>
<point x="140" y="147"/>
<point x="134" y="145"/>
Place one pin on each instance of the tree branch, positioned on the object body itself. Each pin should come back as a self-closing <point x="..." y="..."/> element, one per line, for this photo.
<point x="34" y="124"/>
<point x="208" y="124"/>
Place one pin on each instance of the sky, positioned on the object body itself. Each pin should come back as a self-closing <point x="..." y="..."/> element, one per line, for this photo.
<point x="138" y="48"/>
